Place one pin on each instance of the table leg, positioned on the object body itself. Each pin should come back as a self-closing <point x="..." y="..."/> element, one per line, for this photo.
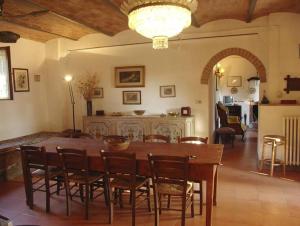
<point x="209" y="200"/>
<point x="215" y="187"/>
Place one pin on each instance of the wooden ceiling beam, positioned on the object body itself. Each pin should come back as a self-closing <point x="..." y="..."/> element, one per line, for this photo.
<point x="58" y="9"/>
<point x="252" y="5"/>
<point x="33" y="27"/>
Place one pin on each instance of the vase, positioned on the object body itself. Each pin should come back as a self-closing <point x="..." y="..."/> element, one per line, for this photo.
<point x="89" y="108"/>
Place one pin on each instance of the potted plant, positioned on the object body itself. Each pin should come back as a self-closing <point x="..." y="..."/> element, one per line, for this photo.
<point x="86" y="87"/>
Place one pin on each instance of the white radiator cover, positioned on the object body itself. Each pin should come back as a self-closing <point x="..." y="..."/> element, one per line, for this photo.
<point x="291" y="130"/>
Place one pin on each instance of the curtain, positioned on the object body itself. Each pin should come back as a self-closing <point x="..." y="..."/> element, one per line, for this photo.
<point x="4" y="76"/>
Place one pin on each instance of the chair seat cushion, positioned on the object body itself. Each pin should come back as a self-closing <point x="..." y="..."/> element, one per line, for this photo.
<point x="125" y="182"/>
<point x="173" y="189"/>
<point x="81" y="177"/>
<point x="225" y="130"/>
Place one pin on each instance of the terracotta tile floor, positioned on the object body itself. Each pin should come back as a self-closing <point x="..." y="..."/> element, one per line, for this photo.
<point x="244" y="198"/>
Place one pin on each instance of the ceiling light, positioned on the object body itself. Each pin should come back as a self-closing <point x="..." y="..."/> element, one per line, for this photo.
<point x="159" y="19"/>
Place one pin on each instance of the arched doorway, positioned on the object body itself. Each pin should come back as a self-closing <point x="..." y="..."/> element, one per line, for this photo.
<point x="208" y="72"/>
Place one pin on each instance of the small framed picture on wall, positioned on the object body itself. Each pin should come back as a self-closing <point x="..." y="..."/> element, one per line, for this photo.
<point x="167" y="91"/>
<point x="234" y="81"/>
<point x="132" y="97"/>
<point x="98" y="92"/>
<point x="21" y="79"/>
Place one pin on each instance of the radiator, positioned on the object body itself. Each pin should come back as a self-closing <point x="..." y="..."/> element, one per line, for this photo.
<point x="291" y="129"/>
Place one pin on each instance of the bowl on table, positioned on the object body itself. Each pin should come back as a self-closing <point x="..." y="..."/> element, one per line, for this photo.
<point x="116" y="143"/>
<point x="139" y="112"/>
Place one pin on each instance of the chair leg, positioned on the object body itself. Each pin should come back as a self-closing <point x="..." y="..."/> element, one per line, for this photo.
<point x="201" y="197"/>
<point x="133" y="207"/>
<point x="120" y="198"/>
<point x="106" y="194"/>
<point x="91" y="191"/>
<point x="81" y="192"/>
<point x="30" y="188"/>
<point x="183" y="210"/>
<point x="67" y="189"/>
<point x="148" y="196"/>
<point x="159" y="201"/>
<point x="156" y="206"/>
<point x="262" y="157"/>
<point x="111" y="204"/>
<point x="169" y="201"/>
<point x="47" y="194"/>
<point x="273" y="158"/>
<point x="192" y="206"/>
<point x="87" y="193"/>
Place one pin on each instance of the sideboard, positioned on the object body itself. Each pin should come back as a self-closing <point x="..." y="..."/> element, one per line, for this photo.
<point x="136" y="126"/>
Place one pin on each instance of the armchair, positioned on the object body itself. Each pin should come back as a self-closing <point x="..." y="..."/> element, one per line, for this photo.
<point x="230" y="121"/>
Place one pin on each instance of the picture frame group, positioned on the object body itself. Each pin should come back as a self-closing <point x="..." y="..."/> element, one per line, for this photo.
<point x="131" y="76"/>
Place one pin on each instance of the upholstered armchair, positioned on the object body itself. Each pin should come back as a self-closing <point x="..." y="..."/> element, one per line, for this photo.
<point x="230" y="121"/>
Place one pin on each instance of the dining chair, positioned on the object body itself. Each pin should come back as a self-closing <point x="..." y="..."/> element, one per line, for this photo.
<point x="37" y="174"/>
<point x="76" y="172"/>
<point x="156" y="138"/>
<point x="195" y="140"/>
<point x="4" y="221"/>
<point x="170" y="177"/>
<point x="121" y="174"/>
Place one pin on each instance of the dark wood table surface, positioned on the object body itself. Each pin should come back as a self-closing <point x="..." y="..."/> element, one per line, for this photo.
<point x="202" y="167"/>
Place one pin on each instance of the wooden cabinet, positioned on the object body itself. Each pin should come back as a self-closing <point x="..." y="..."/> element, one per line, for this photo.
<point x="137" y="126"/>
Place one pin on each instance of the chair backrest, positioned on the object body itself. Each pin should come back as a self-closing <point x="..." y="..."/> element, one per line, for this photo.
<point x="34" y="157"/>
<point x="119" y="165"/>
<point x="156" y="138"/>
<point x="223" y="114"/>
<point x="193" y="140"/>
<point x="73" y="160"/>
<point x="169" y="169"/>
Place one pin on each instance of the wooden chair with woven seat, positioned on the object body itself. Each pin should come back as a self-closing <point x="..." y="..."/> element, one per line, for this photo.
<point x="195" y="140"/>
<point x="156" y="138"/>
<point x="76" y="171"/>
<point x="169" y="176"/>
<point x="37" y="176"/>
<point x="120" y="171"/>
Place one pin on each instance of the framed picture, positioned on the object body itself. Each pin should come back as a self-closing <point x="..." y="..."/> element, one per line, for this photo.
<point x="234" y="81"/>
<point x="98" y="93"/>
<point x="132" y="97"/>
<point x="167" y="91"/>
<point x="21" y="79"/>
<point x="133" y="76"/>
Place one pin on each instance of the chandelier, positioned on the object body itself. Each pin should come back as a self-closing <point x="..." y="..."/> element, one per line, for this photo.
<point x="159" y="20"/>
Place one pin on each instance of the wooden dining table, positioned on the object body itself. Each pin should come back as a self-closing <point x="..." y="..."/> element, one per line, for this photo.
<point x="203" y="164"/>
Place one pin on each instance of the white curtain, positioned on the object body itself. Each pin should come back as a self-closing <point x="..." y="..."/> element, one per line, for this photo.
<point x="4" y="76"/>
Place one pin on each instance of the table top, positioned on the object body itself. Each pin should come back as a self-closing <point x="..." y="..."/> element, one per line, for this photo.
<point x="203" y="153"/>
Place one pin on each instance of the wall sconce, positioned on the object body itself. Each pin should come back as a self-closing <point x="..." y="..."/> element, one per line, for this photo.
<point x="219" y="71"/>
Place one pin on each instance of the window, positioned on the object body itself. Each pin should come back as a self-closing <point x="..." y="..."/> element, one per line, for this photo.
<point x="5" y="75"/>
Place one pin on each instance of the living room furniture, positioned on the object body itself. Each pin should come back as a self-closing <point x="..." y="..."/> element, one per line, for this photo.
<point x="135" y="127"/>
<point x="202" y="167"/>
<point x="274" y="141"/>
<point x="156" y="138"/>
<point x="230" y="121"/>
<point x="235" y="110"/>
<point x="224" y="134"/>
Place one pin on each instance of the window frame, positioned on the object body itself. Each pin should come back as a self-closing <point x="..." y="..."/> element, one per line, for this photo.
<point x="7" y="51"/>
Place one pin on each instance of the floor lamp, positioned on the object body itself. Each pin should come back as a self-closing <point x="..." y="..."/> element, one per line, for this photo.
<point x="68" y="79"/>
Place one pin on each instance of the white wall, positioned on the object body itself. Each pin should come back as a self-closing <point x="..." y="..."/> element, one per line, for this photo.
<point x="27" y="112"/>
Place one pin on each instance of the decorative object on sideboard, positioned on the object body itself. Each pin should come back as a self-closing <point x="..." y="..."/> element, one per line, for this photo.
<point x="100" y="113"/>
<point x="86" y="87"/>
<point x="131" y="76"/>
<point x="173" y="114"/>
<point x="292" y="84"/>
<point x="37" y="78"/>
<point x="234" y="81"/>
<point x="21" y="79"/>
<point x="264" y="99"/>
<point x="116" y="114"/>
<point x="98" y="92"/>
<point x="186" y="111"/>
<point x="252" y="90"/>
<point x="68" y="79"/>
<point x="167" y="91"/>
<point x="132" y="97"/>
<point x="139" y="112"/>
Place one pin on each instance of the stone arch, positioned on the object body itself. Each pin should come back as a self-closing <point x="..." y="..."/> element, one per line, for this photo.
<point x="207" y="71"/>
